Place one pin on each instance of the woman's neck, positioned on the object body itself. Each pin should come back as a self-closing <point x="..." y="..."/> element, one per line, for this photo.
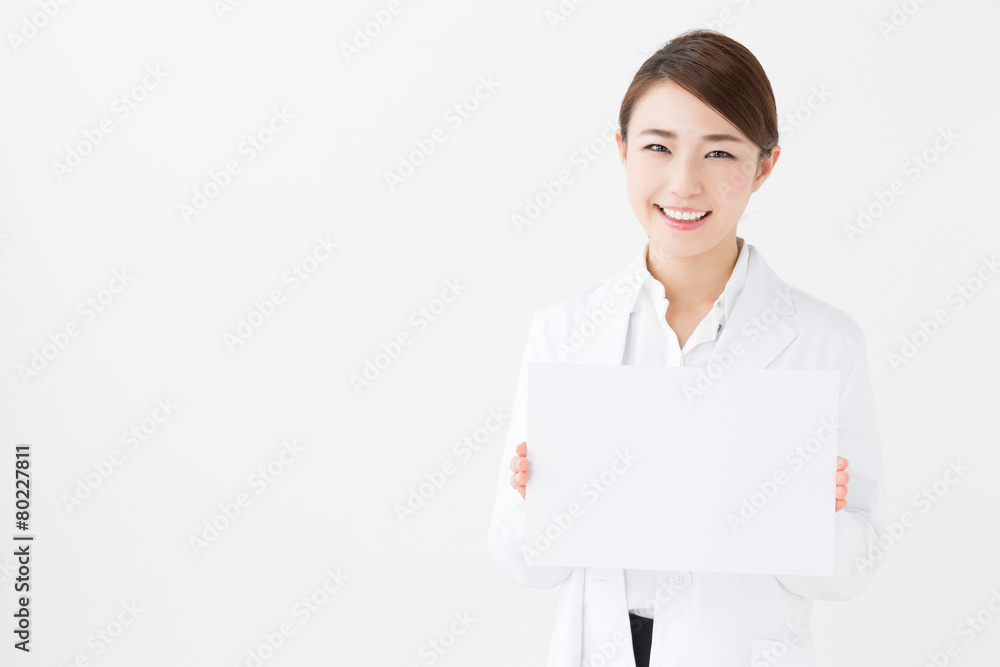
<point x="694" y="281"/>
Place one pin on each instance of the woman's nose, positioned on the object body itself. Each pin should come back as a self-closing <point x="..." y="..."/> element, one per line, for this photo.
<point x="683" y="180"/>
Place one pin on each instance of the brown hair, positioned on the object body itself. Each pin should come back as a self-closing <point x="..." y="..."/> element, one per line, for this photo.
<point x="720" y="72"/>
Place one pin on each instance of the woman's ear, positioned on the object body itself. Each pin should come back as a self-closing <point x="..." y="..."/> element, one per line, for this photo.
<point x="765" y="167"/>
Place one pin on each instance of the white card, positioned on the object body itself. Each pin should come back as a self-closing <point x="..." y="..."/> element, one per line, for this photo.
<point x="634" y="467"/>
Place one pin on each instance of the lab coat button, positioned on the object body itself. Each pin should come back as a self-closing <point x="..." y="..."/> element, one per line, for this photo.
<point x="680" y="579"/>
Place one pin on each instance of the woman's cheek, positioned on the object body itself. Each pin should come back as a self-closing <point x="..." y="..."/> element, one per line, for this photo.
<point x="734" y="187"/>
<point x="743" y="175"/>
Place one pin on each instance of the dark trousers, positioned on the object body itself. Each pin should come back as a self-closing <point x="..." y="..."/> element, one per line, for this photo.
<point x="642" y="638"/>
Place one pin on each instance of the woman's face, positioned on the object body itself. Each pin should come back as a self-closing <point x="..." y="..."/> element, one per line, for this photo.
<point x="681" y="154"/>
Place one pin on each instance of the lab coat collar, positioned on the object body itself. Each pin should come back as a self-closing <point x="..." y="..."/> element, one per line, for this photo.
<point x="755" y="334"/>
<point x="723" y="306"/>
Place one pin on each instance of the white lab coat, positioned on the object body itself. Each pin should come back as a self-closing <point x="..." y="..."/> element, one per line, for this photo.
<point x="703" y="618"/>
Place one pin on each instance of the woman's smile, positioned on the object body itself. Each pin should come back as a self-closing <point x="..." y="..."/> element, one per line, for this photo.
<point x="682" y="218"/>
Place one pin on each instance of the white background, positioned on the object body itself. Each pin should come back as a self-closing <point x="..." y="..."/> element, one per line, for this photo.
<point x="334" y="505"/>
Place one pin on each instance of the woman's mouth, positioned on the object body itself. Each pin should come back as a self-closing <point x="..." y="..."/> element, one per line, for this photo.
<point x="684" y="220"/>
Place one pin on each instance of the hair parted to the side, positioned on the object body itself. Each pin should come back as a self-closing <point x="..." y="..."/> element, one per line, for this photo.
<point x="720" y="72"/>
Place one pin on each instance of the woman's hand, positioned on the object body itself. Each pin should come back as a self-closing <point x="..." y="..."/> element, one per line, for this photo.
<point x="519" y="464"/>
<point x="842" y="478"/>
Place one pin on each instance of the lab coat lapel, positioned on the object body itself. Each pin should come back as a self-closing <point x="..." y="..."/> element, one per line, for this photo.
<point x="756" y="333"/>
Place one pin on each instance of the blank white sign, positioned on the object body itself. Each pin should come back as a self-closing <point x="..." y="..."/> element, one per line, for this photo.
<point x="635" y="467"/>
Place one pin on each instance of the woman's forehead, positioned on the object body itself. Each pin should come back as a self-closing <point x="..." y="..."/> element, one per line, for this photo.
<point x="668" y="107"/>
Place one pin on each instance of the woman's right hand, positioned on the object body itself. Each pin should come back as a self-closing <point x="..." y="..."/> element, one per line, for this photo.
<point x="519" y="465"/>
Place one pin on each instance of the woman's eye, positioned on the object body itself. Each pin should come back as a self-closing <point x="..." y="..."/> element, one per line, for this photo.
<point x="658" y="148"/>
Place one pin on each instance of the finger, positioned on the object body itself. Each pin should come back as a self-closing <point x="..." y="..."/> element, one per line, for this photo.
<point x="840" y="505"/>
<point x="841" y="463"/>
<point x="522" y="449"/>
<point x="520" y="490"/>
<point x="842" y="478"/>
<point x="841" y="492"/>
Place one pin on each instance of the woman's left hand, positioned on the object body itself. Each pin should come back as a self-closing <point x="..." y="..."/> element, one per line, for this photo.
<point x="842" y="478"/>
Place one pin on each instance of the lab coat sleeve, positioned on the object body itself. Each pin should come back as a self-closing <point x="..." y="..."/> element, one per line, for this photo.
<point x="861" y="522"/>
<point x="507" y="529"/>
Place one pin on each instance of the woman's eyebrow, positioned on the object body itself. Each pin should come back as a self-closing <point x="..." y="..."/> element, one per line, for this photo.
<point x="668" y="134"/>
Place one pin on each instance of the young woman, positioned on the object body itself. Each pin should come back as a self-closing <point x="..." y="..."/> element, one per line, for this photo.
<point x="698" y="135"/>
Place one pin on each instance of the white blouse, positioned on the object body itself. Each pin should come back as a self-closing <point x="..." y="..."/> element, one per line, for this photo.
<point x="650" y="341"/>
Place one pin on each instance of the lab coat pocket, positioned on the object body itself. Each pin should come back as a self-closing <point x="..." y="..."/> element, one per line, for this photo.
<point x="771" y="653"/>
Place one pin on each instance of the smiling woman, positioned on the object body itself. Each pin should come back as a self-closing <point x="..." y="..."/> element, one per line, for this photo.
<point x="705" y="138"/>
<point x="698" y="136"/>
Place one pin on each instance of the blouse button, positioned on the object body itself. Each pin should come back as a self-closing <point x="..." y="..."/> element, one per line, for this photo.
<point x="680" y="579"/>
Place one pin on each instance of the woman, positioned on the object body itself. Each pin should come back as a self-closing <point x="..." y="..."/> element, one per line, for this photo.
<point x="698" y="135"/>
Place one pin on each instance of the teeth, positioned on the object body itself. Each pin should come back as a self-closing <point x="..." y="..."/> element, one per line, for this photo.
<point x="677" y="215"/>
